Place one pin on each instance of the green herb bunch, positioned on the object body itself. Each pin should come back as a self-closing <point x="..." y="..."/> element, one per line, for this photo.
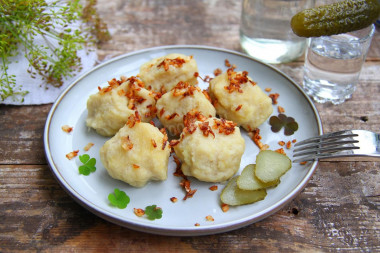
<point x="22" y="21"/>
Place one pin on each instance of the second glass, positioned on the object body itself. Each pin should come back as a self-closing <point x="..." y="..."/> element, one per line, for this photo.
<point x="265" y="31"/>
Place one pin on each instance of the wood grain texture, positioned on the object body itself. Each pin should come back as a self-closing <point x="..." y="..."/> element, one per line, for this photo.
<point x="337" y="211"/>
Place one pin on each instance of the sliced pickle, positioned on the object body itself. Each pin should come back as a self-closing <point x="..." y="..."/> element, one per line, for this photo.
<point x="234" y="196"/>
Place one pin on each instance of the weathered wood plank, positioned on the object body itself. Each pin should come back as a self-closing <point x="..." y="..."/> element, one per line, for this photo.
<point x="337" y="210"/>
<point x="21" y="134"/>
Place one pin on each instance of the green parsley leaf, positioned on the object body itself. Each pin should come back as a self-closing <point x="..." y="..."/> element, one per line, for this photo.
<point x="119" y="199"/>
<point x="88" y="165"/>
<point x="153" y="212"/>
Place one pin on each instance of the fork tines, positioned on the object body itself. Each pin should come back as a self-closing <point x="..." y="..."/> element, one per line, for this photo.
<point x="324" y="146"/>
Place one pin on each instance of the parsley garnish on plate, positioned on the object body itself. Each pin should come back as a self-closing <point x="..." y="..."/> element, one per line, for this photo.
<point x="153" y="212"/>
<point x="119" y="198"/>
<point x="88" y="165"/>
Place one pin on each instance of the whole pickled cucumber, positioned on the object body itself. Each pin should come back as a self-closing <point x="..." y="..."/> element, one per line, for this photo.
<point x="340" y="17"/>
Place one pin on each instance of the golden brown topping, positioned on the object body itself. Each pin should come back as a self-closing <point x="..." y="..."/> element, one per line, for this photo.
<point x="67" y="129"/>
<point x="134" y="87"/>
<point x="133" y="119"/>
<point x="236" y="80"/>
<point x="174" y="143"/>
<point x="225" y="207"/>
<point x="111" y="85"/>
<point x="206" y="129"/>
<point x="154" y="143"/>
<point x="185" y="183"/>
<point x="162" y="111"/>
<point x="281" y="151"/>
<point x="165" y="139"/>
<point x="166" y="63"/>
<point x="227" y="63"/>
<point x="280" y="109"/>
<point x="72" y="154"/>
<point x="88" y="146"/>
<point x="209" y="218"/>
<point x="178" y="172"/>
<point x="152" y="111"/>
<point x="173" y="199"/>
<point x="281" y="143"/>
<point x="171" y="116"/>
<point x="288" y="144"/>
<point x="239" y="107"/>
<point x="192" y="116"/>
<point x="268" y="89"/>
<point x="217" y="72"/>
<point x="274" y="97"/>
<point x="205" y="92"/>
<point x="184" y="89"/>
<point x="255" y="136"/>
<point x="126" y="143"/>
<point x="138" y="212"/>
<point x="213" y="188"/>
<point x="224" y="126"/>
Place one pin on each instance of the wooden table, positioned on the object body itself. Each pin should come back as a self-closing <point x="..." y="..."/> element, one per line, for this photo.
<point x="338" y="210"/>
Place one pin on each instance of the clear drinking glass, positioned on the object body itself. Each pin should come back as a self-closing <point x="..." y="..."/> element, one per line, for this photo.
<point x="265" y="31"/>
<point x="333" y="64"/>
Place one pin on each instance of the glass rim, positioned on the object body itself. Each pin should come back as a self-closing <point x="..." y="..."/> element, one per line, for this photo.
<point x="357" y="39"/>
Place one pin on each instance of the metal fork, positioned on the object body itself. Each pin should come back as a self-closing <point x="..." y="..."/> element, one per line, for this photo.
<point x="338" y="144"/>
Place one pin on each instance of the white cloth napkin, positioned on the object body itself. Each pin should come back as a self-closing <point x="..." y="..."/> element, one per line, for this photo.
<point x="39" y="92"/>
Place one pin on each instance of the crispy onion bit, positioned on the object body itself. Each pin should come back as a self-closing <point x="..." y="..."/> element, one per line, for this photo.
<point x="225" y="207"/>
<point x="138" y="212"/>
<point x="274" y="97"/>
<point x="184" y="89"/>
<point x="154" y="143"/>
<point x="67" y="129"/>
<point x="256" y="137"/>
<point x="111" y="85"/>
<point x="88" y="146"/>
<point x="224" y="126"/>
<point x="213" y="188"/>
<point x="236" y="80"/>
<point x="281" y="151"/>
<point x="171" y="116"/>
<point x="209" y="218"/>
<point x="126" y="143"/>
<point x="166" y="63"/>
<point x="133" y="119"/>
<point x="238" y="107"/>
<point x="206" y="129"/>
<point x="72" y="154"/>
<point x="165" y="139"/>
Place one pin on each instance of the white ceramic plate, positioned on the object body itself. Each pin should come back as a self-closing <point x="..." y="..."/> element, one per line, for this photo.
<point x="178" y="218"/>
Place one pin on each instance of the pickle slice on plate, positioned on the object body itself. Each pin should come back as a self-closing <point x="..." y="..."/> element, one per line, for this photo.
<point x="270" y="165"/>
<point x="234" y="196"/>
<point x="336" y="18"/>
<point x="248" y="180"/>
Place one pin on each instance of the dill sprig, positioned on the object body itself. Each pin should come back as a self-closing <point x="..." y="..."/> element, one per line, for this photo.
<point x="64" y="27"/>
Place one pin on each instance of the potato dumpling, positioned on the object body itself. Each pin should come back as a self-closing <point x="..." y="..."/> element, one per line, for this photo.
<point x="163" y="73"/>
<point x="183" y="98"/>
<point x="210" y="150"/>
<point x="237" y="98"/>
<point x="138" y="153"/>
<point x="109" y="109"/>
